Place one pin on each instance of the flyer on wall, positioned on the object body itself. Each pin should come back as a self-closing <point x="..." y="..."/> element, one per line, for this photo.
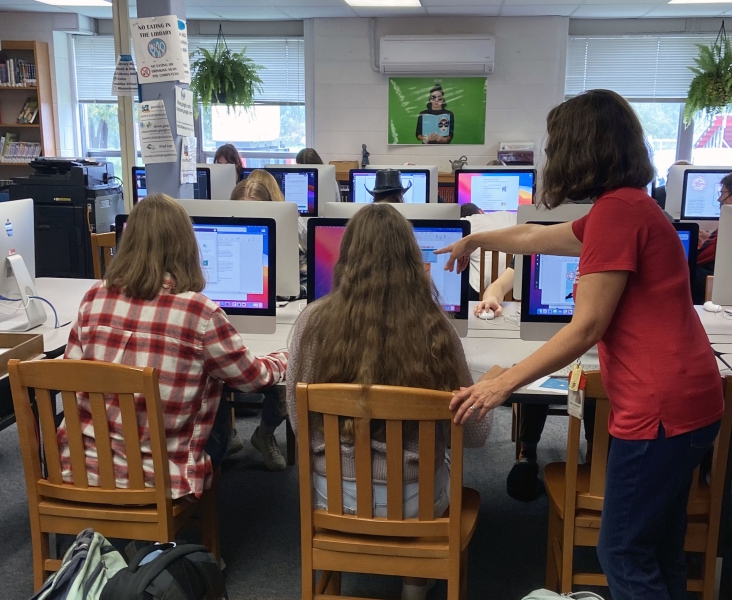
<point x="161" y="49"/>
<point x="156" y="138"/>
<point x="437" y="110"/>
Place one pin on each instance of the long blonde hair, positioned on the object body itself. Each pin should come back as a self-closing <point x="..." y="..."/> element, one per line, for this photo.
<point x="382" y="322"/>
<point x="158" y="240"/>
<point x="260" y="185"/>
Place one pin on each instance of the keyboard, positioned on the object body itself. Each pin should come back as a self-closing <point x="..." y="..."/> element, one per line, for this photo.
<point x="568" y="369"/>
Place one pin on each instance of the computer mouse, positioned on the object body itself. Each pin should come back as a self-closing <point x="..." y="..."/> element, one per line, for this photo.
<point x="709" y="306"/>
<point x="487" y="315"/>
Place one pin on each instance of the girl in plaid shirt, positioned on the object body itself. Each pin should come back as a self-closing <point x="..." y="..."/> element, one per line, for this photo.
<point x="149" y="311"/>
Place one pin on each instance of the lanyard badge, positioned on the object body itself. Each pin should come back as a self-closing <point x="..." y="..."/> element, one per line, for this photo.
<point x="576" y="393"/>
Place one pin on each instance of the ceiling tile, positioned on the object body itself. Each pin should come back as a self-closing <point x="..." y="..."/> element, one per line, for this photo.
<point x="304" y="3"/>
<point x="34" y="7"/>
<point x="314" y="12"/>
<point x="449" y="4"/>
<point x="687" y="10"/>
<point x="230" y="3"/>
<point x="483" y="11"/>
<point x="363" y="11"/>
<point x="95" y="12"/>
<point x="611" y="11"/>
<point x="649" y="3"/>
<point x="541" y="3"/>
<point x="560" y="10"/>
<point x="247" y="14"/>
<point x="197" y="12"/>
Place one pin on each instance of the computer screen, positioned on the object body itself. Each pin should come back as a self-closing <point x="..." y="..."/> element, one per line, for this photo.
<point x="299" y="186"/>
<point x="324" y="245"/>
<point x="496" y="190"/>
<point x="201" y="189"/>
<point x="700" y="193"/>
<point x="139" y="184"/>
<point x="418" y="193"/>
<point x="238" y="258"/>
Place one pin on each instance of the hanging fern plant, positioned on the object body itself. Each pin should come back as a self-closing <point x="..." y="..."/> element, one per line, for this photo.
<point x="224" y="77"/>
<point x="710" y="92"/>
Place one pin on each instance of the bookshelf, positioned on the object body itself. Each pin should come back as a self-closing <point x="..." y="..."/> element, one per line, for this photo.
<point x="13" y="99"/>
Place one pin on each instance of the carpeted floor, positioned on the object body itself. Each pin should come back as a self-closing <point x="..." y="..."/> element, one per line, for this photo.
<point x="260" y="533"/>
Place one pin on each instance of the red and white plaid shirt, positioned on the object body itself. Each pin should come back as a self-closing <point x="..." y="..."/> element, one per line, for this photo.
<point x="194" y="348"/>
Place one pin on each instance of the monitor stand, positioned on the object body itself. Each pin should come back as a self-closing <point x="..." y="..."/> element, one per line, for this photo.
<point x="34" y="312"/>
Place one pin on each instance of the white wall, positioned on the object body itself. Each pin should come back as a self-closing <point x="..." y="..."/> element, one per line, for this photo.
<point x="350" y="99"/>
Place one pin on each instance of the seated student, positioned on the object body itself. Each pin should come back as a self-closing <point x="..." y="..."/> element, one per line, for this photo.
<point x="401" y="337"/>
<point x="480" y="221"/>
<point x="708" y="246"/>
<point x="229" y="155"/>
<point x="659" y="194"/>
<point x="149" y="312"/>
<point x="308" y="156"/>
<point x="388" y="187"/>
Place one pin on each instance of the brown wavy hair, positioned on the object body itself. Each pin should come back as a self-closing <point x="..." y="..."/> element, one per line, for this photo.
<point x="308" y="156"/>
<point x="158" y="239"/>
<point x="595" y="144"/>
<point x="382" y="323"/>
<point x="260" y="185"/>
<point x="231" y="155"/>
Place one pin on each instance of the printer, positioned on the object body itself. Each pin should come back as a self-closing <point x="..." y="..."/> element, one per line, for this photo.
<point x="72" y="198"/>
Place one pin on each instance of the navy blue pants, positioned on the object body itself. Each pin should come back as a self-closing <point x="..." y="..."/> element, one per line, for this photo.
<point x="641" y="546"/>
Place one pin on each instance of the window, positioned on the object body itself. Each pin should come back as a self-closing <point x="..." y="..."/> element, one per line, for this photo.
<point x="660" y="122"/>
<point x="712" y="141"/>
<point x="272" y="131"/>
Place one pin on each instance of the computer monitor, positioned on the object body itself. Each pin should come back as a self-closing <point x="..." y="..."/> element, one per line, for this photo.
<point x="345" y="210"/>
<point x="417" y="180"/>
<point x="201" y="189"/>
<point x="285" y="216"/>
<point x="222" y="179"/>
<point x="700" y="193"/>
<point x="539" y="213"/>
<point x="547" y="298"/>
<point x="18" y="271"/>
<point x="238" y="257"/>
<point x="328" y="189"/>
<point x="431" y="169"/>
<point x="324" y="244"/>
<point x="722" y="290"/>
<point x="496" y="189"/>
<point x="299" y="186"/>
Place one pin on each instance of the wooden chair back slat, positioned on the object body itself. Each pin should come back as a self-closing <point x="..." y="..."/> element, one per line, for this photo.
<point x="104" y="242"/>
<point x="694" y="491"/>
<point x="45" y="405"/>
<point x="131" y="435"/>
<point x="394" y="471"/>
<point x="495" y="270"/>
<point x="495" y="256"/>
<point x="333" y="463"/>
<point x="482" y="273"/>
<point x="102" y="441"/>
<point x="364" y="490"/>
<point x="601" y="446"/>
<point x="456" y="478"/>
<point x="76" y="442"/>
<point x="427" y="441"/>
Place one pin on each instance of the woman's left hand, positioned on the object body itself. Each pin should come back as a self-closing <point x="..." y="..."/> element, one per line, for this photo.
<point x="478" y="399"/>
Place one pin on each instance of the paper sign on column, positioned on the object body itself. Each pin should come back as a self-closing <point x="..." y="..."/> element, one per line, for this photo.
<point x="156" y="139"/>
<point x="183" y="111"/>
<point x="183" y="34"/>
<point x="188" y="160"/>
<point x="124" y="82"/>
<point x="159" y="49"/>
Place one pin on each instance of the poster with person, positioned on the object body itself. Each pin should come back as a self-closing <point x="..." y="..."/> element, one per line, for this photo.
<point x="444" y="110"/>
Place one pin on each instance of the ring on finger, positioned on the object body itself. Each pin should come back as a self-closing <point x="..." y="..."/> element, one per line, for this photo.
<point x="473" y="408"/>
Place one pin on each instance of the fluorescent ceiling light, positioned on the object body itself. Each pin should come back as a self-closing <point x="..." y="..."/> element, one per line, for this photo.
<point x="388" y="3"/>
<point x="76" y="2"/>
<point x="699" y="2"/>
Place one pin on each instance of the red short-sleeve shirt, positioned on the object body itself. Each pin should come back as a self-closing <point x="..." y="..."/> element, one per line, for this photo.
<point x="656" y="361"/>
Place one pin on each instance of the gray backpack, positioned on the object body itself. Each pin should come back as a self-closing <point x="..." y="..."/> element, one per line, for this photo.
<point x="87" y="566"/>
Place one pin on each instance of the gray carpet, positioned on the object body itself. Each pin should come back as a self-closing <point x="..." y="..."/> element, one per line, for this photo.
<point x="260" y="533"/>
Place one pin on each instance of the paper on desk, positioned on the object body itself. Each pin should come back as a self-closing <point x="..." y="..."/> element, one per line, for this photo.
<point x="550" y="385"/>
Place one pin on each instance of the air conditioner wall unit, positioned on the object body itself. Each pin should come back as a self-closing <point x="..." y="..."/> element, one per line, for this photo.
<point x="437" y="54"/>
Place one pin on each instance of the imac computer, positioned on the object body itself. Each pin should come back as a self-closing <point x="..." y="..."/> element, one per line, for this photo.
<point x="222" y="179"/>
<point x="285" y="216"/>
<point x="238" y="257"/>
<point x="676" y="184"/>
<point x="328" y="189"/>
<point x="324" y="244"/>
<point x="496" y="189"/>
<point x="700" y="194"/>
<point x="17" y="275"/>
<point x="417" y="180"/>
<point x="201" y="189"/>
<point x="405" y="170"/>
<point x="299" y="186"/>
<point x="345" y="210"/>
<point x="722" y="290"/>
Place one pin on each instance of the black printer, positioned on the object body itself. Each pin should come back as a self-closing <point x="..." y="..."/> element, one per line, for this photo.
<point x="72" y="198"/>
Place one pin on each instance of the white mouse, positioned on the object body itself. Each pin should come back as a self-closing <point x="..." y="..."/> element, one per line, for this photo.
<point x="487" y="315"/>
<point x="709" y="306"/>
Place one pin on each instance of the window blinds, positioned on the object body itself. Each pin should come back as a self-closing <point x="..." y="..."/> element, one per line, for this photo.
<point x="633" y="66"/>
<point x="282" y="59"/>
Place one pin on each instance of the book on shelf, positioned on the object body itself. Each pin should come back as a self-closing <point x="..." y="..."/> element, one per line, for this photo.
<point x="29" y="111"/>
<point x="13" y="151"/>
<point x="15" y="72"/>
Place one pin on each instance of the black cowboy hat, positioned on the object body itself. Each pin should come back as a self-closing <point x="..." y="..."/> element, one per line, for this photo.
<point x="388" y="180"/>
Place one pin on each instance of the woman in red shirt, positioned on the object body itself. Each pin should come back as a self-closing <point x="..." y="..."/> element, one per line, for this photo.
<point x="633" y="299"/>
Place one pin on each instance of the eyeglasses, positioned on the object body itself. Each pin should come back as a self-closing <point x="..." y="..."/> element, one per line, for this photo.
<point x="433" y="97"/>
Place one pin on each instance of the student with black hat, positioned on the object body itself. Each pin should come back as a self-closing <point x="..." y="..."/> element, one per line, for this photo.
<point x="388" y="186"/>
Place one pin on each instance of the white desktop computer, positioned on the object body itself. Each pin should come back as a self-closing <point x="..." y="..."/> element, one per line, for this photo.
<point x="345" y="210"/>
<point x="432" y="181"/>
<point x="722" y="290"/>
<point x="700" y="194"/>
<point x="299" y="186"/>
<point x="223" y="178"/>
<point x="496" y="189"/>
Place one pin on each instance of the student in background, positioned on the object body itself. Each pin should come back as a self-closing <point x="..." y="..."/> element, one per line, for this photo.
<point x="401" y="337"/>
<point x="260" y="185"/>
<point x="156" y="279"/>
<point x="388" y="187"/>
<point x="708" y="246"/>
<point x="632" y="299"/>
<point x="308" y="156"/>
<point x="229" y="155"/>
<point x="659" y="194"/>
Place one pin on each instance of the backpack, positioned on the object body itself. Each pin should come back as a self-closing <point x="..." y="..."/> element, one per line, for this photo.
<point x="86" y="567"/>
<point x="168" y="572"/>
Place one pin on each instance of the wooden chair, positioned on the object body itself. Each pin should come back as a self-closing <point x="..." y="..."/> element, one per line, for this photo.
<point x="137" y="512"/>
<point x="576" y="493"/>
<point x="335" y="542"/>
<point x="104" y="242"/>
<point x="494" y="270"/>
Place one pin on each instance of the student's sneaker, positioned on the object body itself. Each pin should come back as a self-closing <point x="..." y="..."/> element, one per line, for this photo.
<point x="521" y="483"/>
<point x="416" y="592"/>
<point x="267" y="445"/>
<point x="235" y="445"/>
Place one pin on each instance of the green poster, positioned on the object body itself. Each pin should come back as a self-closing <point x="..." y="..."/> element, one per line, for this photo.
<point x="443" y="110"/>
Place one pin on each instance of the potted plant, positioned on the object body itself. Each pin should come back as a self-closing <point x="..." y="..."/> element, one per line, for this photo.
<point x="223" y="76"/>
<point x="710" y="92"/>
